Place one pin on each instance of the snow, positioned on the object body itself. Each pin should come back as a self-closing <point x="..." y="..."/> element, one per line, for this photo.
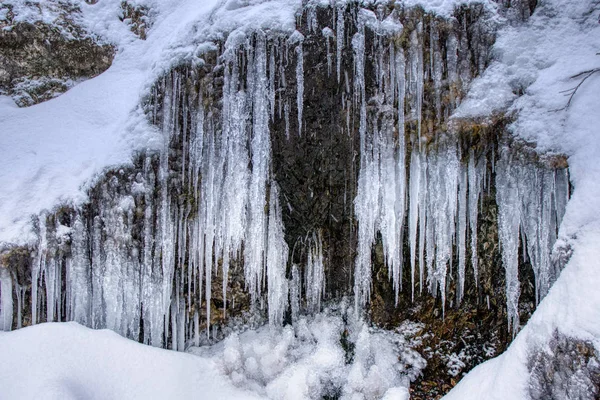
<point x="306" y="361"/>
<point x="309" y="361"/>
<point x="69" y="361"/>
<point x="49" y="150"/>
<point x="560" y="40"/>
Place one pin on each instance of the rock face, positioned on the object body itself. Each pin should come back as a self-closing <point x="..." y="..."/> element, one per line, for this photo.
<point x="40" y="59"/>
<point x="298" y="168"/>
<point x="568" y="369"/>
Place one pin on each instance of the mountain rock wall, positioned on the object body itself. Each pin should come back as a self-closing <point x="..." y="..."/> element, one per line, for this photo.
<point x="298" y="168"/>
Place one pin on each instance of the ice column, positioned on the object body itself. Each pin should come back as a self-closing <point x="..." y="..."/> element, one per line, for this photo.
<point x="277" y="256"/>
<point x="509" y="214"/>
<point x="315" y="273"/>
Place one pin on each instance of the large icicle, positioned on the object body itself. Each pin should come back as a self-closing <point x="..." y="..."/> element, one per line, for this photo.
<point x="461" y="233"/>
<point x="37" y="267"/>
<point x="277" y="255"/>
<point x="509" y="214"/>
<point x="297" y="39"/>
<point x="78" y="284"/>
<point x="315" y="273"/>
<point x="260" y="148"/>
<point x="413" y="217"/>
<point x="366" y="205"/>
<point x="476" y="173"/>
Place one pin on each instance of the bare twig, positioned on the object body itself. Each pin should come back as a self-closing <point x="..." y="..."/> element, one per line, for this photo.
<point x="571" y="92"/>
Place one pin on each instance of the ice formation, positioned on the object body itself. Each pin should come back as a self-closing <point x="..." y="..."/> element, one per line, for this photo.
<point x="531" y="203"/>
<point x="444" y="186"/>
<point x="153" y="248"/>
<point x="309" y="361"/>
<point x="144" y="256"/>
<point x="315" y="273"/>
<point x="6" y="300"/>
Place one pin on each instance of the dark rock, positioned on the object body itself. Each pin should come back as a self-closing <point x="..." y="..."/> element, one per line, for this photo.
<point x="40" y="60"/>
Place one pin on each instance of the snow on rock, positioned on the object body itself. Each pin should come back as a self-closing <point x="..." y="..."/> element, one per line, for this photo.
<point x="52" y="151"/>
<point x="69" y="361"/>
<point x="559" y="41"/>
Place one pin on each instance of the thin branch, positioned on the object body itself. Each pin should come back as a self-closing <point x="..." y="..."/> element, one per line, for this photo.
<point x="572" y="91"/>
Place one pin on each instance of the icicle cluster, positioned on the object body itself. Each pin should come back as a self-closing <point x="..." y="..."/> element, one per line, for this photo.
<point x="531" y="203"/>
<point x="142" y="258"/>
<point x="147" y="258"/>
<point x="444" y="186"/>
<point x="381" y="193"/>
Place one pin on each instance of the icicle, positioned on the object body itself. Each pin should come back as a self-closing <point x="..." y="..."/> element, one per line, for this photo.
<point x="328" y="34"/>
<point x="416" y="51"/>
<point x="315" y="273"/>
<point x="365" y="204"/>
<point x="399" y="75"/>
<point x="298" y="38"/>
<point x="50" y="276"/>
<point x="509" y="214"/>
<point x="413" y="217"/>
<point x="272" y="88"/>
<point x="462" y="232"/>
<point x="424" y="219"/>
<point x="340" y="31"/>
<point x="476" y="172"/>
<point x="38" y="266"/>
<point x="256" y="233"/>
<point x="20" y="306"/>
<point x="98" y="312"/>
<point x="277" y="255"/>
<point x="6" y="299"/>
<point x="295" y="292"/>
<point x="78" y="284"/>
<point x="311" y="17"/>
<point x="561" y="185"/>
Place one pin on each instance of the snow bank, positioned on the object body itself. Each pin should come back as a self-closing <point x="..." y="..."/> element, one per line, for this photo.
<point x="321" y="355"/>
<point x="559" y="41"/>
<point x="68" y="361"/>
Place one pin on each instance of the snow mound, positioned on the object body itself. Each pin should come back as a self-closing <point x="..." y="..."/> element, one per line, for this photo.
<point x="69" y="361"/>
